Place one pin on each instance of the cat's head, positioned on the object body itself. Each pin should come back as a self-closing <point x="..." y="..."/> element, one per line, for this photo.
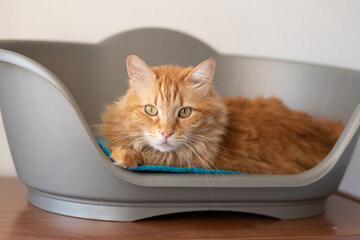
<point x="173" y="106"/>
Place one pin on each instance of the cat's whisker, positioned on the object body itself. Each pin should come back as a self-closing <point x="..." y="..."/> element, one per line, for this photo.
<point x="113" y="140"/>
<point x="203" y="137"/>
<point x="200" y="137"/>
<point x="202" y="163"/>
<point x="194" y="137"/>
<point x="206" y="166"/>
<point x="189" y="161"/>
<point x="223" y="153"/>
<point x="137" y="140"/>
<point x="214" y="167"/>
<point x="140" y="141"/>
<point x="116" y="133"/>
<point x="205" y="140"/>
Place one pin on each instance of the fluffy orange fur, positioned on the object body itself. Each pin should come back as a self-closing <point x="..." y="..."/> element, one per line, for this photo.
<point x="254" y="136"/>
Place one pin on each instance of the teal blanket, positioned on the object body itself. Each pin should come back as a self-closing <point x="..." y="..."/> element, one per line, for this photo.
<point x="156" y="168"/>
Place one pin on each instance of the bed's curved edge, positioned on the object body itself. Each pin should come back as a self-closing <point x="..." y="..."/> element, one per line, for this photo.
<point x="31" y="65"/>
<point x="36" y="68"/>
<point x="333" y="160"/>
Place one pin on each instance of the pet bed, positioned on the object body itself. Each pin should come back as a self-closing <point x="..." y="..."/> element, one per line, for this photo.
<point x="53" y="93"/>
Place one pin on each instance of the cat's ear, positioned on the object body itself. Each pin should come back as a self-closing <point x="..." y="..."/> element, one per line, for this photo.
<point x="140" y="74"/>
<point x="201" y="76"/>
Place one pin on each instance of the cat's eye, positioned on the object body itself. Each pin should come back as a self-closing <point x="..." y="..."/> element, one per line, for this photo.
<point x="151" y="110"/>
<point x="185" y="112"/>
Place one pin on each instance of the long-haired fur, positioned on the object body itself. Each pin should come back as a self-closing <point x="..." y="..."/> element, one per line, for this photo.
<point x="255" y="136"/>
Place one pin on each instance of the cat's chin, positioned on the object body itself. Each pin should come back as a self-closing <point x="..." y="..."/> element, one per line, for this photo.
<point x="165" y="147"/>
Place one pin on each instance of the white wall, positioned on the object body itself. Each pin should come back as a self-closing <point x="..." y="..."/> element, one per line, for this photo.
<point x="318" y="31"/>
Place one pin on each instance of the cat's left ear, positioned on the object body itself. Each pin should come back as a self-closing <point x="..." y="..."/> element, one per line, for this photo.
<point x="201" y="76"/>
<point x="139" y="72"/>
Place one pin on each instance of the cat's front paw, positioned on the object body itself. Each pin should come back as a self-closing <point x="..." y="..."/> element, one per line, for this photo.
<point x="126" y="157"/>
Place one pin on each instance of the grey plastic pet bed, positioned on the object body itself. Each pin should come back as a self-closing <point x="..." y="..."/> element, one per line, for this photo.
<point x="47" y="113"/>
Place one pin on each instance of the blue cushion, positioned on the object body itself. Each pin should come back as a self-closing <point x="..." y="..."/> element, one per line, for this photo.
<point x="157" y="168"/>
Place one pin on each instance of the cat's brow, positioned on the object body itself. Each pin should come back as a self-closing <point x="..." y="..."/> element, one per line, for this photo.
<point x="181" y="97"/>
<point x="167" y="91"/>
<point x="156" y="98"/>
<point x="161" y="94"/>
<point x="175" y="92"/>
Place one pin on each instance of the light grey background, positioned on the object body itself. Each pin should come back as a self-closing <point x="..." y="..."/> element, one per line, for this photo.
<point x="316" y="31"/>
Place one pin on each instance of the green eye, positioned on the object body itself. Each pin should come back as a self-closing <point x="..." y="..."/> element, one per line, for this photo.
<point x="151" y="110"/>
<point x="185" y="112"/>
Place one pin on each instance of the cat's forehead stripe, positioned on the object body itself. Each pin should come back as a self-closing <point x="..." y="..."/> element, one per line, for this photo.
<point x="156" y="98"/>
<point x="181" y="99"/>
<point x="169" y="93"/>
<point x="175" y="92"/>
<point x="167" y="89"/>
<point x="164" y="90"/>
<point x="160" y="86"/>
<point x="169" y="85"/>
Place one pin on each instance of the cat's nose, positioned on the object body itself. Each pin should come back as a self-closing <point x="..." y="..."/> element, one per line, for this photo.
<point x="166" y="134"/>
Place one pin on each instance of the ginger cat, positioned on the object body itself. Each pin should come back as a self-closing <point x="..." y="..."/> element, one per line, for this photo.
<point x="172" y="116"/>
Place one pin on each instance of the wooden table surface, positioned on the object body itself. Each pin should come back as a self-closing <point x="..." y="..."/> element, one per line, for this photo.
<point x="21" y="220"/>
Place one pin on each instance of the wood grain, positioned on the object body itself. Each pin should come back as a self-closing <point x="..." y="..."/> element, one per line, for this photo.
<point x="21" y="220"/>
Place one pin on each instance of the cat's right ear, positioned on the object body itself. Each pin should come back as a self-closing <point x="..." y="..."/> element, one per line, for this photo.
<point x="140" y="74"/>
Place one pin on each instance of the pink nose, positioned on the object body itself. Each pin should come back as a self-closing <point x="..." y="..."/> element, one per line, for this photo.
<point x="166" y="134"/>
